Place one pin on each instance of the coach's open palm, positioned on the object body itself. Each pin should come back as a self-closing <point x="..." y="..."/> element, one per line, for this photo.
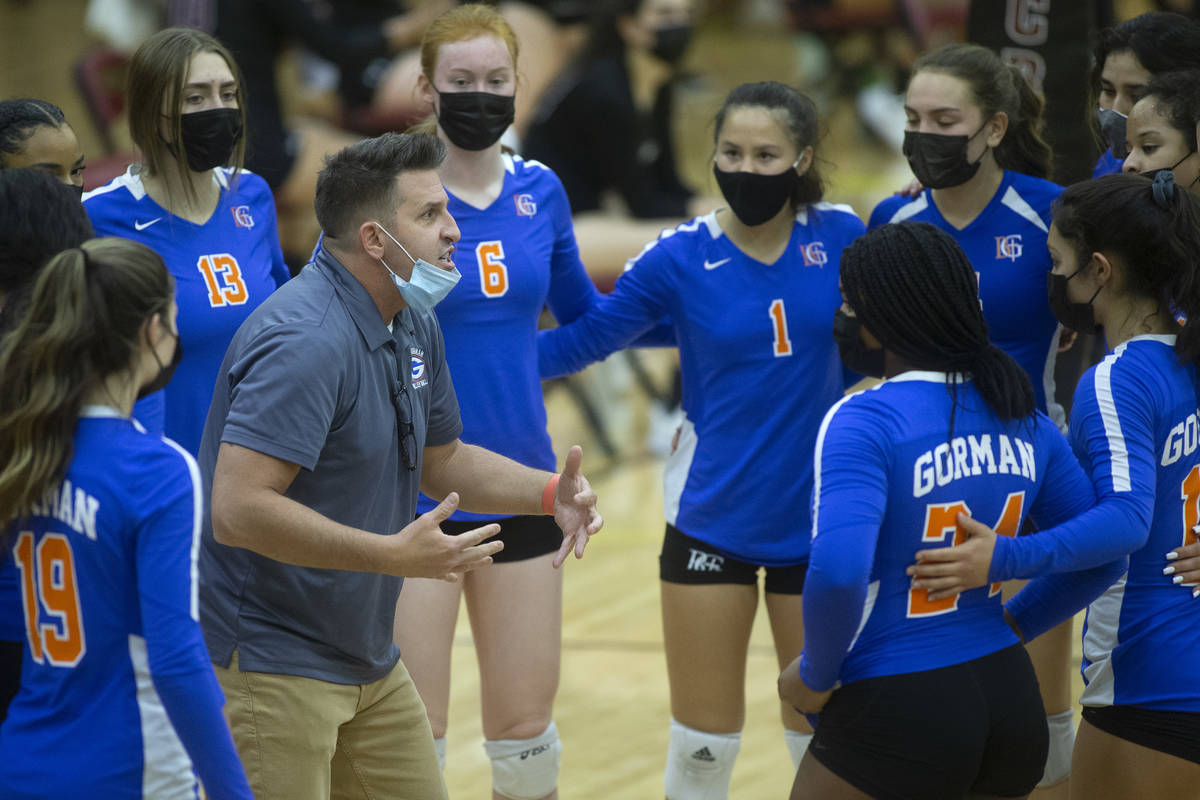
<point x="421" y="550"/>
<point x="575" y="508"/>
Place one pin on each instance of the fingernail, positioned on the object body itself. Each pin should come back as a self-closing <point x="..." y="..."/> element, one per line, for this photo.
<point x="1171" y="556"/>
<point x="1168" y="570"/>
<point x="1196" y="592"/>
<point x="1177" y="579"/>
<point x="1196" y="529"/>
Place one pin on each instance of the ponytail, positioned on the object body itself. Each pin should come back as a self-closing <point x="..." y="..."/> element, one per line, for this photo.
<point x="84" y="321"/>
<point x="998" y="87"/>
<point x="910" y="284"/>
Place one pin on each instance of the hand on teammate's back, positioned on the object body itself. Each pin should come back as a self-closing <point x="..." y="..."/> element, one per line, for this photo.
<point x="575" y="508"/>
<point x="947" y="571"/>
<point x="1184" y="565"/>
<point x="422" y="551"/>
<point x="793" y="690"/>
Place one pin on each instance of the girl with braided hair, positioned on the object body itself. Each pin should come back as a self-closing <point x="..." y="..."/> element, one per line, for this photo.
<point x="924" y="696"/>
<point x="34" y="133"/>
<point x="1126" y="256"/>
<point x="974" y="139"/>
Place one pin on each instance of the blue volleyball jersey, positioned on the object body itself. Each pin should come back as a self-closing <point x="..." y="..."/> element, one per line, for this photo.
<point x="223" y="270"/>
<point x="116" y="687"/>
<point x="1135" y="427"/>
<point x="759" y="364"/>
<point x="1107" y="164"/>
<point x="890" y="480"/>
<point x="1006" y="244"/>
<point x="516" y="256"/>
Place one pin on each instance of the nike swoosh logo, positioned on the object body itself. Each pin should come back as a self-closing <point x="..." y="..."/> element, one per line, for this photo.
<point x="714" y="264"/>
<point x="141" y="226"/>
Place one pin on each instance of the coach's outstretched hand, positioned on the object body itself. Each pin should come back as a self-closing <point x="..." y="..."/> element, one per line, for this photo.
<point x="947" y="571"/>
<point x="575" y="508"/>
<point x="421" y="550"/>
<point x="793" y="690"/>
<point x="1183" y="565"/>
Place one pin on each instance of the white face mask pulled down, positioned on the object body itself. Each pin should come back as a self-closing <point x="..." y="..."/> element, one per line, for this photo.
<point x="428" y="284"/>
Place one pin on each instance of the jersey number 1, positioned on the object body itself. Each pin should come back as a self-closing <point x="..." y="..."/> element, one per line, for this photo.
<point x="48" y="581"/>
<point x="778" y="314"/>
<point x="940" y="520"/>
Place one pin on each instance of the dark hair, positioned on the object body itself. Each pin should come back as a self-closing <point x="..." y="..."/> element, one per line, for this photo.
<point x="1177" y="96"/>
<point x="1161" y="41"/>
<point x="20" y="118"/>
<point x="996" y="87"/>
<point x="39" y="218"/>
<point x="1156" y="236"/>
<point x="603" y="37"/>
<point x="360" y="180"/>
<point x="85" y="318"/>
<point x="800" y="122"/>
<point x="911" y="285"/>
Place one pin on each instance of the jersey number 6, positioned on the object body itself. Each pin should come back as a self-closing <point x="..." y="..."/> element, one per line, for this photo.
<point x="48" y="581"/>
<point x="940" y="520"/>
<point x="493" y="274"/>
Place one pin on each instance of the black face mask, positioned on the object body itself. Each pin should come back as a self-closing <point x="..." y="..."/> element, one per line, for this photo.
<point x="1150" y="173"/>
<point x="210" y="136"/>
<point x="475" y="120"/>
<point x="671" y="42"/>
<point x="754" y="198"/>
<point x="853" y="350"/>
<point x="1075" y="316"/>
<point x="940" y="161"/>
<point x="165" y="373"/>
<point x="1112" y="131"/>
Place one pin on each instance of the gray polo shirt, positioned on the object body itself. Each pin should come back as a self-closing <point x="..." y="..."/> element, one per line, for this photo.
<point x="309" y="379"/>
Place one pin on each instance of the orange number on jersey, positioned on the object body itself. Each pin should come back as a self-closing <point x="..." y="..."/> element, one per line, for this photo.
<point x="940" y="521"/>
<point x="783" y="345"/>
<point x="48" y="581"/>
<point x="223" y="277"/>
<point x="493" y="274"/>
<point x="1190" y="491"/>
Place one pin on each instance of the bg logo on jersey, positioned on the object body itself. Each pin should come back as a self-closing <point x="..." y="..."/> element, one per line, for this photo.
<point x="241" y="216"/>
<point x="814" y="254"/>
<point x="1009" y="247"/>
<point x="526" y="207"/>
<point x="418" y="367"/>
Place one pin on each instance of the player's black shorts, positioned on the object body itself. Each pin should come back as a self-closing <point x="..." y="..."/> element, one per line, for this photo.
<point x="687" y="560"/>
<point x="1176" y="733"/>
<point x="524" y="537"/>
<point x="940" y="733"/>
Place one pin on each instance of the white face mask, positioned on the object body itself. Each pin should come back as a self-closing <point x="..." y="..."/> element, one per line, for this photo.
<point x="428" y="284"/>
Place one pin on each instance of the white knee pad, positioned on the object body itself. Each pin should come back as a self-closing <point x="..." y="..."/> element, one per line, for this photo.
<point x="525" y="769"/>
<point x="699" y="764"/>
<point x="439" y="746"/>
<point x="1062" y="743"/>
<point x="797" y="744"/>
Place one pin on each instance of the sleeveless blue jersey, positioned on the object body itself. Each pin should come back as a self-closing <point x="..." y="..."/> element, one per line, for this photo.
<point x="759" y="364"/>
<point x="116" y="687"/>
<point x="1135" y="426"/>
<point x="890" y="480"/>
<point x="1006" y="244"/>
<point x="223" y="270"/>
<point x="516" y="256"/>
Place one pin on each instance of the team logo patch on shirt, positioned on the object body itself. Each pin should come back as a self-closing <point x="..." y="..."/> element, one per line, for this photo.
<point x="1009" y="247"/>
<point x="241" y="216"/>
<point x="814" y="254"/>
<point x="526" y="207"/>
<point x="418" y="368"/>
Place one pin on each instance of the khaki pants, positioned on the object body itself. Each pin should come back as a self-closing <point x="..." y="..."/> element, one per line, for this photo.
<point x="305" y="739"/>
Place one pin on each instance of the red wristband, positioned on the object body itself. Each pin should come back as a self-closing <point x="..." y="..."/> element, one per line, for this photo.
<point x="548" y="494"/>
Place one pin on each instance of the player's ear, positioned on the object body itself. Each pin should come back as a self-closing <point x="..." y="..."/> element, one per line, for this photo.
<point x="805" y="160"/>
<point x="1102" y="268"/>
<point x="425" y="90"/>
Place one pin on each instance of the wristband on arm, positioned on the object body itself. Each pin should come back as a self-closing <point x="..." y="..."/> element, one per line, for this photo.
<point x="548" y="495"/>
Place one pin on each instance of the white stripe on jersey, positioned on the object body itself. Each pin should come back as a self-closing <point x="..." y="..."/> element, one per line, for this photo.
<point x="910" y="209"/>
<point x="845" y="208"/>
<point x="1016" y="203"/>
<point x="166" y="768"/>
<point x="1112" y="423"/>
<point x="679" y="464"/>
<point x="1101" y="628"/>
<point x="709" y="220"/>
<point x="197" y="518"/>
<point x="868" y="607"/>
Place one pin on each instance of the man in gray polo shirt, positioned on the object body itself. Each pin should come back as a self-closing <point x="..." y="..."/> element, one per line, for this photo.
<point x="332" y="407"/>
